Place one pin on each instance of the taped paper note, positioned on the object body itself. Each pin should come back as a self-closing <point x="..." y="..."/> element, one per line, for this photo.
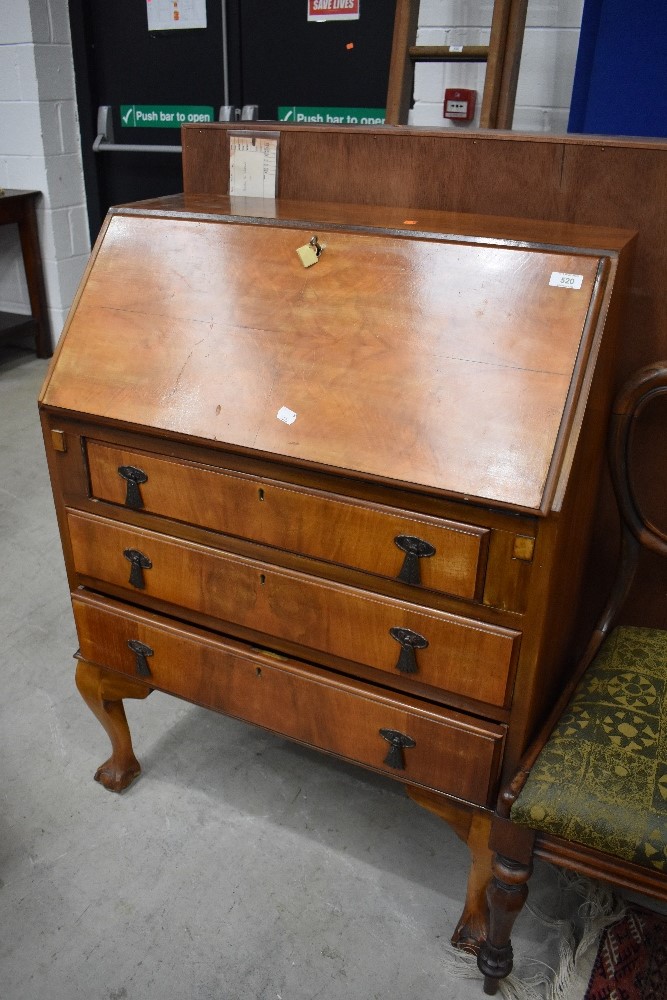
<point x="252" y="166"/>
<point x="165" y="15"/>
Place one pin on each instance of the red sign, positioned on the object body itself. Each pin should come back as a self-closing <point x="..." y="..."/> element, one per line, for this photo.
<point x="333" y="10"/>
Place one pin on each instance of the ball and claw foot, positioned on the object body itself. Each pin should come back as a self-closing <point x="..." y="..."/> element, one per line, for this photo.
<point x="470" y="931"/>
<point x="117" y="779"/>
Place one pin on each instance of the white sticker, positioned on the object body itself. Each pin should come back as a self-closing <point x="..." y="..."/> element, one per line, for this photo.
<point x="561" y="280"/>
<point x="286" y="415"/>
<point x="456" y="48"/>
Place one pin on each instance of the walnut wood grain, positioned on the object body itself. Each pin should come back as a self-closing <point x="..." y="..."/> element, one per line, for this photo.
<point x="320" y="525"/>
<point x="453" y="753"/>
<point x="395" y="394"/>
<point x="549" y="180"/>
<point x="464" y="655"/>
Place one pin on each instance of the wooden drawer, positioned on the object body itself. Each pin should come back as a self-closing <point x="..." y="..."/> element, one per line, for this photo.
<point x="462" y="656"/>
<point x="355" y="534"/>
<point x="452" y="753"/>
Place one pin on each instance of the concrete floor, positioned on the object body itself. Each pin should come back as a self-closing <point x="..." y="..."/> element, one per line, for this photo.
<point x="238" y="867"/>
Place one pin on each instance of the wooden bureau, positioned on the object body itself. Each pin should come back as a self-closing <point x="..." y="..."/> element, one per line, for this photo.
<point x="349" y="502"/>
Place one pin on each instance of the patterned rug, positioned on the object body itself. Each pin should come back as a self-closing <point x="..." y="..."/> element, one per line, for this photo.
<point x="631" y="962"/>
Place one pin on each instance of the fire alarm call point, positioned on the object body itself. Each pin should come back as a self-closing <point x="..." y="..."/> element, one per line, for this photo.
<point x="459" y="105"/>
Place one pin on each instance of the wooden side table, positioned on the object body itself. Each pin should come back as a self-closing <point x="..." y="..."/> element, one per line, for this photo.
<point x="19" y="207"/>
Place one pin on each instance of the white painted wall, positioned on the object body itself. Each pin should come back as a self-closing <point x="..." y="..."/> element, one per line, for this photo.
<point x="40" y="150"/>
<point x="547" y="63"/>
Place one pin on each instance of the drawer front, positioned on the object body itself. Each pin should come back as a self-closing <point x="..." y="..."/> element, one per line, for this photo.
<point x="466" y="657"/>
<point x="451" y="753"/>
<point x="362" y="536"/>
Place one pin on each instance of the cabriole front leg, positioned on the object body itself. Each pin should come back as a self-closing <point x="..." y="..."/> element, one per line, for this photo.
<point x="472" y="826"/>
<point x="103" y="692"/>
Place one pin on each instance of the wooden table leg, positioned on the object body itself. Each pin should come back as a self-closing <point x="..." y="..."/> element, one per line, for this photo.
<point x="32" y="261"/>
<point x="473" y="827"/>
<point x="103" y="692"/>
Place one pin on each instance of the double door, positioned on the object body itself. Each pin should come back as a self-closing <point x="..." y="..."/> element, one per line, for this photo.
<point x="250" y="52"/>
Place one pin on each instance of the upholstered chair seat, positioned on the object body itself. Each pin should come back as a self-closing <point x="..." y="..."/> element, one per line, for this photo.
<point x="611" y="742"/>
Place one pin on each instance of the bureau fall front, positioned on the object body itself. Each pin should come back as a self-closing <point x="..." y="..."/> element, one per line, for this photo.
<point x="349" y="502"/>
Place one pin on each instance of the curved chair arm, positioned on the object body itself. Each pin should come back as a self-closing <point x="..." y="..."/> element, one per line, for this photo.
<point x="636" y="530"/>
<point x="641" y="389"/>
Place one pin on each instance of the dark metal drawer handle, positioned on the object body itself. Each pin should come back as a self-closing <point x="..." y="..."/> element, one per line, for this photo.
<point x="141" y="651"/>
<point x="139" y="562"/>
<point x="415" y="549"/>
<point x="133" y="477"/>
<point x="398" y="742"/>
<point x="409" y="641"/>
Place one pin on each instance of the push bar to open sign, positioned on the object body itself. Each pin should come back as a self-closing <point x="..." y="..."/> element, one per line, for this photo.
<point x="104" y="142"/>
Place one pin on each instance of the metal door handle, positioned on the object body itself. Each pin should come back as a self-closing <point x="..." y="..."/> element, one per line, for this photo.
<point x="104" y="143"/>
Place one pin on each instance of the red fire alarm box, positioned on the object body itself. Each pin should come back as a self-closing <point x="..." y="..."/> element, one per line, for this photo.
<point x="460" y="105"/>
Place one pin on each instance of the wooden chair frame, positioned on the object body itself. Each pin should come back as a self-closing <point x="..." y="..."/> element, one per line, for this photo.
<point x="514" y="846"/>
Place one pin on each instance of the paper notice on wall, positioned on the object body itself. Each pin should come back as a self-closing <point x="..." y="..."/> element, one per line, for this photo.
<point x="253" y="163"/>
<point x="165" y="15"/>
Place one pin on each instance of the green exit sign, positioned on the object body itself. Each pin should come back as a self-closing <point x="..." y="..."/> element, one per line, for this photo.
<point x="163" y="115"/>
<point x="332" y="116"/>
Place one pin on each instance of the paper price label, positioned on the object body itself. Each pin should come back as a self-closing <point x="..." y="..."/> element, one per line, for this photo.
<point x="559" y="279"/>
<point x="286" y="415"/>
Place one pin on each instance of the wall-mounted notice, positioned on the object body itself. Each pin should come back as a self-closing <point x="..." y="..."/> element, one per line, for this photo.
<point x="333" y="10"/>
<point x="253" y="165"/>
<point x="165" y="15"/>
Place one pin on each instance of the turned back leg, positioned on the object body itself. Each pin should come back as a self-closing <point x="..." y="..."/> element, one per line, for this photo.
<point x="506" y="894"/>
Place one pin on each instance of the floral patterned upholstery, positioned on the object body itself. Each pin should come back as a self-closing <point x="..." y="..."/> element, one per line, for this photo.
<point x="610" y="746"/>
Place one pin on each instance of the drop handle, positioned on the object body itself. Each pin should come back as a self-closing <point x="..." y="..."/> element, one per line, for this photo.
<point x="138" y="563"/>
<point x="415" y="549"/>
<point x="398" y="742"/>
<point x="133" y="478"/>
<point x="409" y="641"/>
<point x="141" y="651"/>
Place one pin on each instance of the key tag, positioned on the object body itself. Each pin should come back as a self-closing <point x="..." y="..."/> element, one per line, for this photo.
<point x="310" y="253"/>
